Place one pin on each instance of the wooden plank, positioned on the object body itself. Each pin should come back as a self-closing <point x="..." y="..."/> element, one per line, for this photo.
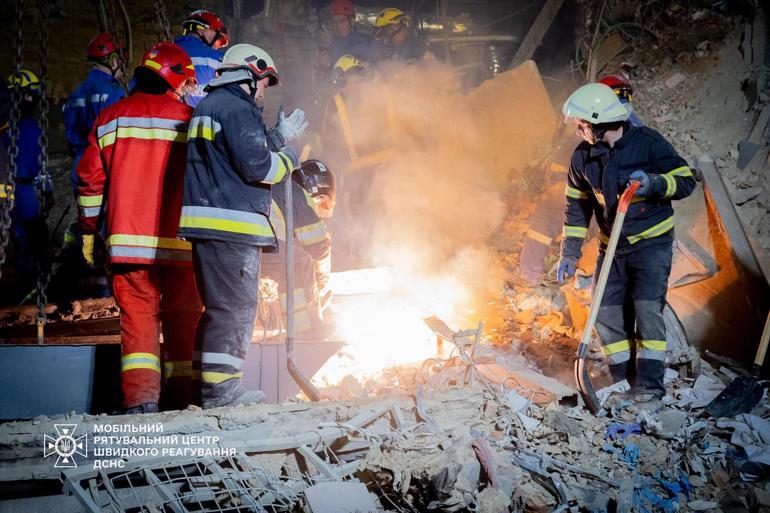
<point x="536" y="32"/>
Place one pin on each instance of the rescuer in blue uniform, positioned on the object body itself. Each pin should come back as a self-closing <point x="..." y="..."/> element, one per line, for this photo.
<point x="203" y="39"/>
<point x="99" y="90"/>
<point x="33" y="199"/>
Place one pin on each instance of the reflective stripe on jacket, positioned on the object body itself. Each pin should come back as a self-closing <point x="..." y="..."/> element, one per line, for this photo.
<point x="599" y="174"/>
<point x="98" y="91"/>
<point x="132" y="174"/>
<point x="230" y="171"/>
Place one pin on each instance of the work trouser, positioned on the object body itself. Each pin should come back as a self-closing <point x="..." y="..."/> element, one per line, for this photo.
<point x="150" y="296"/>
<point x="632" y="310"/>
<point x="307" y="307"/>
<point x="544" y="225"/>
<point x="227" y="274"/>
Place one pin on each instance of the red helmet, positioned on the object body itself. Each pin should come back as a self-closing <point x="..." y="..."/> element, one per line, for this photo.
<point x="207" y="19"/>
<point x="342" y="8"/>
<point x="619" y="85"/>
<point x="170" y="62"/>
<point x="101" y="47"/>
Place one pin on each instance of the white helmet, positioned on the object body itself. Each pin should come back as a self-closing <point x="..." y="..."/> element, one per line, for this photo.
<point x="250" y="58"/>
<point x="595" y="103"/>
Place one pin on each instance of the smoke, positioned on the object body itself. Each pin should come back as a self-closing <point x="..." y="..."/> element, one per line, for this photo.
<point x="429" y="210"/>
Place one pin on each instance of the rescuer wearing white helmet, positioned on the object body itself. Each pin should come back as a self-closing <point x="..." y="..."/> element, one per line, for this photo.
<point x="615" y="152"/>
<point x="231" y="166"/>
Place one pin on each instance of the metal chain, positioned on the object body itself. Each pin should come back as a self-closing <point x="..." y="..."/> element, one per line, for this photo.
<point x="43" y="180"/>
<point x="160" y="11"/>
<point x="13" y="133"/>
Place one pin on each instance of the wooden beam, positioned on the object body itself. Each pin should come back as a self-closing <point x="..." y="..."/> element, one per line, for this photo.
<point x="536" y="32"/>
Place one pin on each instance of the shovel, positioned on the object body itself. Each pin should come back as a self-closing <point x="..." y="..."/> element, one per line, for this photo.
<point x="744" y="392"/>
<point x="582" y="377"/>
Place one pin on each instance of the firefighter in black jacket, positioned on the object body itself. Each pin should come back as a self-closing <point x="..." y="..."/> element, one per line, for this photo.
<point x="615" y="152"/>
<point x="225" y="213"/>
<point x="313" y="198"/>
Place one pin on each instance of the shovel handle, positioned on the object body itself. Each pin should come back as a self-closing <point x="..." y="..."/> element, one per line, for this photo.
<point x="759" y="359"/>
<point x="604" y="272"/>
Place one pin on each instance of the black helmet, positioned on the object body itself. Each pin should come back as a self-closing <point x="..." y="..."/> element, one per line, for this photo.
<point x="315" y="178"/>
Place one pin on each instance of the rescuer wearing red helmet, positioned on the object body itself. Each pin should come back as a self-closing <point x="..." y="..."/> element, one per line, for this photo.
<point x="204" y="38"/>
<point x="131" y="175"/>
<point x="346" y="40"/>
<point x="623" y="90"/>
<point x="100" y="89"/>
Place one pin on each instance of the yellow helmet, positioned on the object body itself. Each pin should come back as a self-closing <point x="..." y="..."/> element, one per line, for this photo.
<point x="595" y="103"/>
<point x="389" y="16"/>
<point x="26" y="80"/>
<point x="348" y="62"/>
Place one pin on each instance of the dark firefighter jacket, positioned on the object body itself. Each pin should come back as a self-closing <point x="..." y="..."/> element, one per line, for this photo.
<point x="230" y="171"/>
<point x="598" y="176"/>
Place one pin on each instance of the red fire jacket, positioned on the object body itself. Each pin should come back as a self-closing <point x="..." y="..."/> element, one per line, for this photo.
<point x="132" y="175"/>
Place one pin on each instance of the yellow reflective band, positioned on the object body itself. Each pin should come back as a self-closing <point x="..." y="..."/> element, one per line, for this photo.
<point x="655" y="231"/>
<point x="218" y="377"/>
<point x="4" y="195"/>
<point x="201" y="131"/>
<point x="575" y="231"/>
<point x="616" y="347"/>
<point x="134" y="361"/>
<point x="179" y="369"/>
<point x="653" y="345"/>
<point x="152" y="64"/>
<point x="225" y="225"/>
<point x="191" y="66"/>
<point x="670" y="186"/>
<point x="148" y="241"/>
<point x="160" y="134"/>
<point x="90" y="201"/>
<point x="312" y="234"/>
<point x="573" y="193"/>
<point x="680" y="171"/>
<point x="539" y="237"/>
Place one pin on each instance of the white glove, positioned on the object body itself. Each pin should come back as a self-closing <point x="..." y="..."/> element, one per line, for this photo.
<point x="292" y="126"/>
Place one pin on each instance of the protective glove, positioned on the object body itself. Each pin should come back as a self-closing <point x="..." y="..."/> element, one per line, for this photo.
<point x="567" y="267"/>
<point x="645" y="184"/>
<point x="88" y="248"/>
<point x="292" y="126"/>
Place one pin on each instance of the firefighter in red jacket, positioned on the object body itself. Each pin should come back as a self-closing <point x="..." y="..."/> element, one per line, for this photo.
<point x="132" y="174"/>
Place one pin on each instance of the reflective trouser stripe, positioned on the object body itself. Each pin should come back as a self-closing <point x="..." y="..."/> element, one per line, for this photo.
<point x="651" y="349"/>
<point x="178" y="369"/>
<point x="222" y="359"/>
<point x="654" y="231"/>
<point x="134" y="361"/>
<point x="617" y="352"/>
<point x="218" y="377"/>
<point x="539" y="237"/>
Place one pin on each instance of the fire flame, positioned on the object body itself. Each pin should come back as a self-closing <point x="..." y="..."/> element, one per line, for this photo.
<point x="386" y="329"/>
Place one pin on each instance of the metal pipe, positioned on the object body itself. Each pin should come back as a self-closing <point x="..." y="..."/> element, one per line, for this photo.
<point x="304" y="384"/>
